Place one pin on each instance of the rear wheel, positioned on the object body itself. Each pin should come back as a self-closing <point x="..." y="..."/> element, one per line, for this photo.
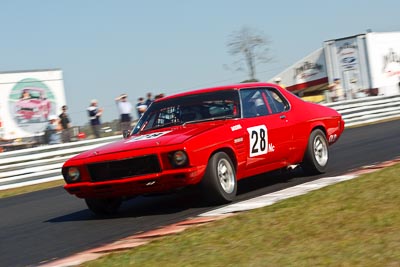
<point x="317" y="154"/>
<point x="103" y="206"/>
<point x="219" y="183"/>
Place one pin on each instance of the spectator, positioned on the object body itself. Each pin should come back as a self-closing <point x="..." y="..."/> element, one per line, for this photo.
<point x="51" y="134"/>
<point x="149" y="100"/>
<point x="94" y="117"/>
<point x="125" y="109"/>
<point x="278" y="81"/>
<point x="336" y="92"/>
<point x="141" y="107"/>
<point x="65" y="125"/>
<point x="399" y="85"/>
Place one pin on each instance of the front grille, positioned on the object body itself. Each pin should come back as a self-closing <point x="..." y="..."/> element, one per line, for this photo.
<point x="119" y="169"/>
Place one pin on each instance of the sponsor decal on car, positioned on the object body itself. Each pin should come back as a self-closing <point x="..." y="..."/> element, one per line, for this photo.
<point x="236" y="127"/>
<point x="147" y="137"/>
<point x="238" y="140"/>
<point x="332" y="138"/>
<point x="271" y="148"/>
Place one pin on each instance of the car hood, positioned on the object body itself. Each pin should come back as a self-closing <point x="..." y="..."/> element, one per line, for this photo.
<point x="151" y="139"/>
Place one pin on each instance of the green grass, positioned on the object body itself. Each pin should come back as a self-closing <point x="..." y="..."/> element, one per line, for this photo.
<point x="353" y="223"/>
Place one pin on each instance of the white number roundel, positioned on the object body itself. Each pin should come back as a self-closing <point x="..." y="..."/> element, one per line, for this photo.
<point x="258" y="140"/>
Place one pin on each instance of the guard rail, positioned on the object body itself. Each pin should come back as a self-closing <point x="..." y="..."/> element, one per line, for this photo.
<point x="368" y="109"/>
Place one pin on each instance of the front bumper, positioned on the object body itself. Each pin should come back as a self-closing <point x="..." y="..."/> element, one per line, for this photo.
<point x="157" y="183"/>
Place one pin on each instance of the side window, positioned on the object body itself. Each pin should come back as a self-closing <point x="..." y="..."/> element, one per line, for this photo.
<point x="262" y="102"/>
<point x="276" y="101"/>
<point x="253" y="103"/>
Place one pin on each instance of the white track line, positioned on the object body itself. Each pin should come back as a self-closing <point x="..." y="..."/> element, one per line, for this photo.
<point x="269" y="199"/>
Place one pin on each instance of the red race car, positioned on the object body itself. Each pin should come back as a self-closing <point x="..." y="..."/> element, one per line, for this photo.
<point x="210" y="138"/>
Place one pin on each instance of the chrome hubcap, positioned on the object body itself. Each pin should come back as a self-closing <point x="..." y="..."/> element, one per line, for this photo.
<point x="320" y="150"/>
<point x="226" y="176"/>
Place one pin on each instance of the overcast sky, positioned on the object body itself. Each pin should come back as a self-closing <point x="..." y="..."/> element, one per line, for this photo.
<point x="106" y="48"/>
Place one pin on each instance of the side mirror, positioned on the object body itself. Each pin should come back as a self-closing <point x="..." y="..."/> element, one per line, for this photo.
<point x="126" y="133"/>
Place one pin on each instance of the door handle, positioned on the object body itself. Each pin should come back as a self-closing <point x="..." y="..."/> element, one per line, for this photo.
<point x="282" y="117"/>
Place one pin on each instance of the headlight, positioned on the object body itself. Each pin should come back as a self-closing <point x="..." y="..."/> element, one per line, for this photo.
<point x="71" y="174"/>
<point x="178" y="158"/>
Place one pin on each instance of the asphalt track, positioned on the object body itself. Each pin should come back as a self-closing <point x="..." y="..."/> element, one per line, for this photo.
<point x="50" y="224"/>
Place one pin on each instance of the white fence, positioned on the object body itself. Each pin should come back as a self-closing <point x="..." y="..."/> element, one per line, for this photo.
<point x="42" y="164"/>
<point x="368" y="109"/>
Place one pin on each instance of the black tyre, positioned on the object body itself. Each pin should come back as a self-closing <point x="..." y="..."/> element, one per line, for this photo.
<point x="106" y="206"/>
<point x="317" y="154"/>
<point x="219" y="183"/>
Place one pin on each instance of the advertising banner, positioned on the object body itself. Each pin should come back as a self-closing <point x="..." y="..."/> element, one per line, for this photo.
<point x="384" y="56"/>
<point x="27" y="99"/>
<point x="347" y="61"/>
<point x="309" y="71"/>
<point x="348" y="57"/>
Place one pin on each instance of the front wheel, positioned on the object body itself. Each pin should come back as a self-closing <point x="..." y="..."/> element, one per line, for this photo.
<point x="106" y="206"/>
<point x="219" y="183"/>
<point x="317" y="154"/>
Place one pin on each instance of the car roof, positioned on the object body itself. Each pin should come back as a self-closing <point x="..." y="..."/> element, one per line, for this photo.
<point x="218" y="88"/>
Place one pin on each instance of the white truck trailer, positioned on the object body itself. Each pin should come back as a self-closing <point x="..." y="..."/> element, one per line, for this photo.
<point x="367" y="64"/>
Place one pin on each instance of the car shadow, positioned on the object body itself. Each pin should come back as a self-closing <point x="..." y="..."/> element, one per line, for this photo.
<point x="189" y="200"/>
<point x="144" y="206"/>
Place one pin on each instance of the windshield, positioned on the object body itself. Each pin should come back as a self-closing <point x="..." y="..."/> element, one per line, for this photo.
<point x="190" y="109"/>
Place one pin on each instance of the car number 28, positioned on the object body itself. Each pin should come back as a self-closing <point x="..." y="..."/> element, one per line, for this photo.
<point x="258" y="136"/>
